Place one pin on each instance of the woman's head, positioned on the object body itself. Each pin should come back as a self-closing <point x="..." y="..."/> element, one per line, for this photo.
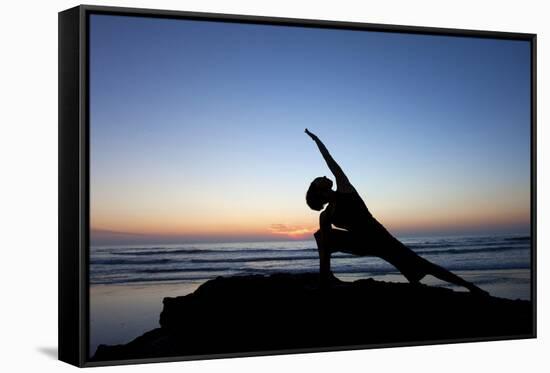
<point x="318" y="193"/>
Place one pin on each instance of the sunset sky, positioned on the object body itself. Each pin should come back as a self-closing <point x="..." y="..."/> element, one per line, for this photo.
<point x="197" y="129"/>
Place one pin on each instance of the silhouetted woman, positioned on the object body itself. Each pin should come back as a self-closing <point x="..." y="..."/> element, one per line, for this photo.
<point x="362" y="234"/>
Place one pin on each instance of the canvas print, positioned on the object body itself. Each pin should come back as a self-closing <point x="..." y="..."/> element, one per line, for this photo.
<point x="269" y="188"/>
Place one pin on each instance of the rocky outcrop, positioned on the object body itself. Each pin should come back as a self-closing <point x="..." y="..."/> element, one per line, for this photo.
<point x="252" y="314"/>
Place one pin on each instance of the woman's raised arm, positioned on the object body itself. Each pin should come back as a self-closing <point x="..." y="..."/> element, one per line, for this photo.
<point x="341" y="179"/>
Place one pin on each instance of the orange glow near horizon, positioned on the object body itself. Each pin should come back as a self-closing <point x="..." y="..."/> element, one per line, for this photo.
<point x="239" y="214"/>
<point x="306" y="226"/>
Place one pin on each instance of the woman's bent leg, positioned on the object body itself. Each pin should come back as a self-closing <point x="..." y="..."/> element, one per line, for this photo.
<point x="343" y="241"/>
<point x="324" y="255"/>
<point x="335" y="240"/>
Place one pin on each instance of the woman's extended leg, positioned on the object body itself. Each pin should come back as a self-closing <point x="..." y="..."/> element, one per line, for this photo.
<point x="445" y="275"/>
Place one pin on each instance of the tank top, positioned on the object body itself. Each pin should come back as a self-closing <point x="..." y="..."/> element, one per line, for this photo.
<point x="350" y="212"/>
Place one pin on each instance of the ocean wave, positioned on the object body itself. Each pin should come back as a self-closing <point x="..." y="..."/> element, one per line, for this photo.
<point x="178" y="270"/>
<point x="134" y="261"/>
<point x="468" y="251"/>
<point x="522" y="238"/>
<point x="254" y="260"/>
<point x="135" y="280"/>
<point x="428" y="246"/>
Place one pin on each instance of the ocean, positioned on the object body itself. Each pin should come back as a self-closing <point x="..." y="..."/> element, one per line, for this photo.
<point x="128" y="283"/>
<point x="204" y="261"/>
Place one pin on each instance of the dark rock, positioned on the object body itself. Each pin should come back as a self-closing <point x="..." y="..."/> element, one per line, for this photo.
<point x="250" y="314"/>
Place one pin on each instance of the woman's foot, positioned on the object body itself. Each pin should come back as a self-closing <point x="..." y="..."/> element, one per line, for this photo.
<point x="477" y="291"/>
<point x="328" y="280"/>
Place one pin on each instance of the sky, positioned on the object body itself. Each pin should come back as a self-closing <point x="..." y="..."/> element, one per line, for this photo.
<point x="197" y="129"/>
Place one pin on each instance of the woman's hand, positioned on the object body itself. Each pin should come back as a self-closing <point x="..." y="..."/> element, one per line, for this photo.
<point x="314" y="137"/>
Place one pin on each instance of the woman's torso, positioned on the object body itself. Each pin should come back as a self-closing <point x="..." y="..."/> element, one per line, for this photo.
<point x="349" y="212"/>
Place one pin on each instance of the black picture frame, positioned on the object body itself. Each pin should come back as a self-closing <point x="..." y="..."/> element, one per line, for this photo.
<point x="74" y="176"/>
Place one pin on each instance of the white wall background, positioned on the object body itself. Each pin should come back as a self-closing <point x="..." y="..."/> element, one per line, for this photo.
<point x="28" y="194"/>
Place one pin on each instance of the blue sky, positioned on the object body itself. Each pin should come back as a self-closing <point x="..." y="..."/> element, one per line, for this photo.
<point x="197" y="127"/>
